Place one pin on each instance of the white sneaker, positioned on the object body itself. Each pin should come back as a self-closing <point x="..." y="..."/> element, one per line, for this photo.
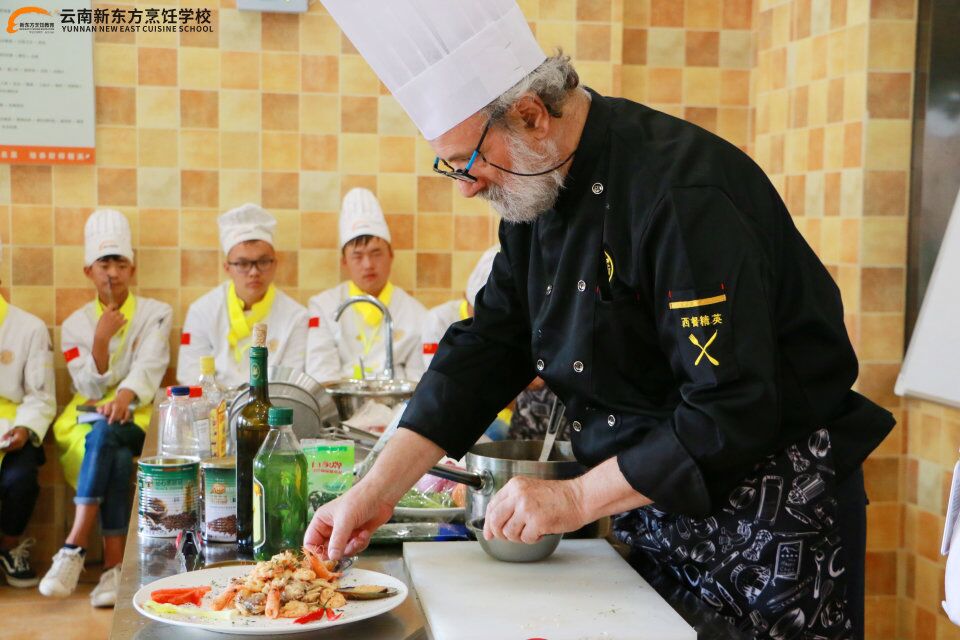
<point x="105" y="593"/>
<point x="62" y="578"/>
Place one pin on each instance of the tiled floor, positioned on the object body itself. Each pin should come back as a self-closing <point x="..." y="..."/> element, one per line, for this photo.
<point x="27" y="615"/>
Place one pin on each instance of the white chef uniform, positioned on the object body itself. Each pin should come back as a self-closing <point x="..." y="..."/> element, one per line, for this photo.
<point x="208" y="329"/>
<point x="27" y="388"/>
<point x="334" y="348"/>
<point x="207" y="326"/>
<point x="139" y="351"/>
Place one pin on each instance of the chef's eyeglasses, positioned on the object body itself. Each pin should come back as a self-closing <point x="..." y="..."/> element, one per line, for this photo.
<point x="244" y="266"/>
<point x="443" y="167"/>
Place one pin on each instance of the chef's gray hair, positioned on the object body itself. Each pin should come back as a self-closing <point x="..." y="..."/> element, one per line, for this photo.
<point x="553" y="82"/>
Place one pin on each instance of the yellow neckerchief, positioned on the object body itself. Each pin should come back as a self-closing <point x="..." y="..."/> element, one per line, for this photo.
<point x="370" y="316"/>
<point x="3" y="310"/>
<point x="241" y="322"/>
<point x="464" y="311"/>
<point x="127" y="309"/>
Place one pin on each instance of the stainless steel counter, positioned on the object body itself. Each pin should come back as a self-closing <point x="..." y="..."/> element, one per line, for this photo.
<point x="148" y="559"/>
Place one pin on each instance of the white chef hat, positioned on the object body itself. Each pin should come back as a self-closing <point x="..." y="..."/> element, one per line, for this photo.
<point x="361" y="215"/>
<point x="442" y="60"/>
<point x="106" y="233"/>
<point x="480" y="274"/>
<point x="246" y="222"/>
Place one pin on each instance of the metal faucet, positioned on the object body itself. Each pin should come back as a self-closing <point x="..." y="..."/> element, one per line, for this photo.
<point x="388" y="363"/>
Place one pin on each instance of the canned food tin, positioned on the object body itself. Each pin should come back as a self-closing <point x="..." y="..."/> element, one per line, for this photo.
<point x="168" y="496"/>
<point x="218" y="480"/>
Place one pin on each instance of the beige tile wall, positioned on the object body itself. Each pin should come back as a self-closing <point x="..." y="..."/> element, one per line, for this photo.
<point x="281" y="110"/>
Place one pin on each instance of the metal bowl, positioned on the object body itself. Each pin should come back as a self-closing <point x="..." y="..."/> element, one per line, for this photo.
<point x="507" y="551"/>
<point x="350" y="395"/>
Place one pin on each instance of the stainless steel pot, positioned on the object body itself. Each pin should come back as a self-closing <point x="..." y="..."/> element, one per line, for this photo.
<point x="490" y="465"/>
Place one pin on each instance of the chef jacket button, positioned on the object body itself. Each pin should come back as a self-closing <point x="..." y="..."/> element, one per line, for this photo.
<point x="581" y="286"/>
<point x="597" y="188"/>
<point x="539" y="333"/>
<point x="611" y="420"/>
<point x="549" y="289"/>
<point x="540" y="365"/>
<point x="578" y="366"/>
<point x="576" y="426"/>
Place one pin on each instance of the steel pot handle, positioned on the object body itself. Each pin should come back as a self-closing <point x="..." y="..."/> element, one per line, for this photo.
<point x="479" y="481"/>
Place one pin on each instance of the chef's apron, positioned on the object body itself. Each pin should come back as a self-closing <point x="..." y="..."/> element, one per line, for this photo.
<point x="770" y="559"/>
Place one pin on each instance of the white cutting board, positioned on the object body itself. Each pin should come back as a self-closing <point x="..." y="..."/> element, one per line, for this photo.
<point x="584" y="590"/>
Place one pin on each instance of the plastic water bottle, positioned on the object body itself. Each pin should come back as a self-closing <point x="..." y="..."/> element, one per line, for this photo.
<point x="178" y="432"/>
<point x="201" y="418"/>
<point x="215" y="395"/>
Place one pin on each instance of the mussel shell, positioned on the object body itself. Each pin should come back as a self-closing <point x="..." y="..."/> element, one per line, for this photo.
<point x="367" y="592"/>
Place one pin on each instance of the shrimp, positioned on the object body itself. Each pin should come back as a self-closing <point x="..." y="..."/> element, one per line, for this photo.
<point x="226" y="597"/>
<point x="272" y="608"/>
<point x="319" y="567"/>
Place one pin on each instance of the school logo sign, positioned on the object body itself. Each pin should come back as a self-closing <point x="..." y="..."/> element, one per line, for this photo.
<point x="31" y="23"/>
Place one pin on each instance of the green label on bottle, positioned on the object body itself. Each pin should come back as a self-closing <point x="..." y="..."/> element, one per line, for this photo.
<point x="259" y="526"/>
<point x="258" y="366"/>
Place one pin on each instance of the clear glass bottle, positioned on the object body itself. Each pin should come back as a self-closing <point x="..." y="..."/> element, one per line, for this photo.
<point x="178" y="432"/>
<point x="279" y="489"/>
<point x="252" y="429"/>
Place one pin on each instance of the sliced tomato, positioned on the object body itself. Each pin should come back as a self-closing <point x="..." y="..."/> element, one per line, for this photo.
<point x="189" y="595"/>
<point x="313" y="616"/>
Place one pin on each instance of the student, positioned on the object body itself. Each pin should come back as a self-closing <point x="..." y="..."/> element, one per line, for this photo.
<point x="117" y="350"/>
<point x="335" y="347"/>
<point x="440" y="317"/>
<point x="528" y="417"/>
<point x="220" y="322"/>
<point x="27" y="406"/>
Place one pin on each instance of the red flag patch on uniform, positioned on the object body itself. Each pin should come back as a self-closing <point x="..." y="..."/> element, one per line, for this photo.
<point x="429" y="348"/>
<point x="184" y="338"/>
<point x="313" y="323"/>
<point x="71" y="354"/>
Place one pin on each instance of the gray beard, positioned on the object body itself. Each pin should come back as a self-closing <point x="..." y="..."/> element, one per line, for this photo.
<point x="523" y="198"/>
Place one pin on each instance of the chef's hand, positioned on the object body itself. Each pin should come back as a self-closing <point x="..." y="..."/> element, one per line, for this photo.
<point x="343" y="526"/>
<point x="118" y="410"/>
<point x="526" y="509"/>
<point x="14" y="440"/>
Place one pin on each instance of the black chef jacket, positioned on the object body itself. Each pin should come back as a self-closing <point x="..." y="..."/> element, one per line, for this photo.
<point x="671" y="303"/>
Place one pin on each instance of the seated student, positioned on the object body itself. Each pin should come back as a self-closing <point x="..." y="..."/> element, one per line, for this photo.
<point x="220" y="323"/>
<point x="27" y="405"/>
<point x="335" y="348"/>
<point x="117" y="350"/>
<point x="440" y="318"/>
<point x="528" y="417"/>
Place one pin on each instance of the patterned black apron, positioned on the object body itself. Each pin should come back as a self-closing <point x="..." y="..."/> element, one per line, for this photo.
<point x="771" y="560"/>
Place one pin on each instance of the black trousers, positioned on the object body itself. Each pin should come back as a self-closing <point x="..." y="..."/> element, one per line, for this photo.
<point x="852" y="522"/>
<point x="19" y="488"/>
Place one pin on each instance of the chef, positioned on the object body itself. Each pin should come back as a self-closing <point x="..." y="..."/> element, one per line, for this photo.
<point x="28" y="404"/>
<point x="652" y="276"/>
<point x="336" y="348"/>
<point x="220" y="323"/>
<point x="117" y="349"/>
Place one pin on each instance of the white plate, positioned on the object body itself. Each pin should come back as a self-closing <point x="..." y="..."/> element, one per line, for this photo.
<point x="404" y="514"/>
<point x="218" y="578"/>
